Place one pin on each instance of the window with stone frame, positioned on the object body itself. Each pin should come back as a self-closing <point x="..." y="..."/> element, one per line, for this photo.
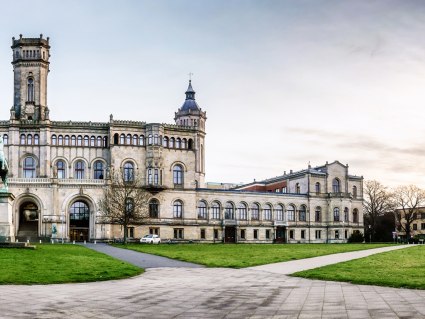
<point x="302" y="214"/>
<point x="154" y="208"/>
<point x="128" y="172"/>
<point x="30" y="167"/>
<point x="336" y="186"/>
<point x="229" y="211"/>
<point x="178" y="175"/>
<point x="29" y="139"/>
<point x="66" y="140"/>
<point x="79" y="140"/>
<point x="354" y="192"/>
<point x="79" y="170"/>
<point x="135" y="139"/>
<point x="61" y="169"/>
<point x="202" y="210"/>
<point x="5" y="139"/>
<point x="178" y="233"/>
<point x="336" y="214"/>
<point x="242" y="211"/>
<point x="98" y="170"/>
<point x="215" y="210"/>
<point x="122" y="139"/>
<point x="54" y="139"/>
<point x="346" y="215"/>
<point x="317" y="188"/>
<point x="178" y="209"/>
<point x="278" y="210"/>
<point x="267" y="212"/>
<point x="318" y="214"/>
<point x="255" y="211"/>
<point x="291" y="213"/>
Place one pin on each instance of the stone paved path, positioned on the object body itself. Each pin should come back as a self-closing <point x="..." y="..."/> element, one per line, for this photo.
<point x="210" y="293"/>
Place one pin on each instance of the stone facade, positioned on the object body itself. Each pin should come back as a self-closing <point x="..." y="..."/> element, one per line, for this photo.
<point x="58" y="170"/>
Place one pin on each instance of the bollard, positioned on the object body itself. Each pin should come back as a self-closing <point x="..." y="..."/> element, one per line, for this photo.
<point x="73" y="242"/>
<point x="62" y="240"/>
<point x="84" y="242"/>
<point x="28" y="241"/>
<point x="52" y="241"/>
<point x="17" y="240"/>
<point x="40" y="241"/>
<point x="95" y="242"/>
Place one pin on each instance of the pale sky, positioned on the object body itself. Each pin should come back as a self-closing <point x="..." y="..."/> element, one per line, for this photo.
<point x="284" y="83"/>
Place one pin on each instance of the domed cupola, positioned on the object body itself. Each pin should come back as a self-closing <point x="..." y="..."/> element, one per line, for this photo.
<point x="190" y="114"/>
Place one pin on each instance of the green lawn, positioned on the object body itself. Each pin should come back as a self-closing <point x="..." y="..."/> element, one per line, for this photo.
<point x="399" y="268"/>
<point x="244" y="255"/>
<point x="49" y="264"/>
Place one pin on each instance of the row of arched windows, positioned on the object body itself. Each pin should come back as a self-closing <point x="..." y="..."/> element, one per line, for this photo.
<point x="153" y="139"/>
<point x="73" y="140"/>
<point x="25" y="139"/>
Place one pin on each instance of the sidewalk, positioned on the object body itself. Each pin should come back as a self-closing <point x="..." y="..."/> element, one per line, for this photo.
<point x="290" y="267"/>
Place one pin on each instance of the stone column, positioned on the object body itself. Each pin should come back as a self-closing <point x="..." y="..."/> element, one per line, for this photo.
<point x="7" y="229"/>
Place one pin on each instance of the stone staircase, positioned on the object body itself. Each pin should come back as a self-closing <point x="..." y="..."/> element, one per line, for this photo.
<point x="26" y="232"/>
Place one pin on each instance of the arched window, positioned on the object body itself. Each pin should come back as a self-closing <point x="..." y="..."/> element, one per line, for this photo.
<point x="54" y="139"/>
<point x="346" y="214"/>
<point x="29" y="139"/>
<point x="178" y="175"/>
<point x="150" y="176"/>
<point x="255" y="212"/>
<point x="202" y="210"/>
<point x="150" y="139"/>
<point x="215" y="210"/>
<point x="98" y="170"/>
<point x="86" y="140"/>
<point x="302" y="214"/>
<point x="79" y="140"/>
<point x="73" y="140"/>
<point x="116" y="138"/>
<point x="61" y="169"/>
<point x="178" y="209"/>
<point x="60" y="140"/>
<point x="154" y="208"/>
<point x="354" y="192"/>
<point x="129" y="207"/>
<point x="184" y="143"/>
<point x="105" y="141"/>
<point x="229" y="211"/>
<point x="92" y="141"/>
<point x="172" y="142"/>
<point x="79" y="170"/>
<point x="355" y="215"/>
<point x="5" y="139"/>
<point x="99" y="141"/>
<point x="336" y="214"/>
<point x="128" y="139"/>
<point x="297" y="188"/>
<point x="278" y="210"/>
<point x="267" y="212"/>
<point x="66" y="140"/>
<point x="242" y="211"/>
<point x="36" y="139"/>
<point x="318" y="214"/>
<point x="291" y="213"/>
<point x="317" y="188"/>
<point x="156" y="139"/>
<point x="141" y="140"/>
<point x="165" y="142"/>
<point x="30" y="90"/>
<point x="178" y="142"/>
<point x="156" y="176"/>
<point x="29" y="167"/>
<point x="128" y="171"/>
<point x="135" y="139"/>
<point x="122" y="139"/>
<point x="190" y="144"/>
<point x="79" y="213"/>
<point x="335" y="185"/>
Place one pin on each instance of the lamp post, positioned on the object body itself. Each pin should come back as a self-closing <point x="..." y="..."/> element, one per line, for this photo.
<point x="370" y="234"/>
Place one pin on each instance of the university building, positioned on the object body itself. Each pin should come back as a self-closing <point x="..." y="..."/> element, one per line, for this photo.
<point x="58" y="170"/>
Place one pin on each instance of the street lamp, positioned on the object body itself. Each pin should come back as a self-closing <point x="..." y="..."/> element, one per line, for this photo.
<point x="370" y="234"/>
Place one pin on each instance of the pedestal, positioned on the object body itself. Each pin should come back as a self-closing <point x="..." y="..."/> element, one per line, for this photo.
<point x="7" y="228"/>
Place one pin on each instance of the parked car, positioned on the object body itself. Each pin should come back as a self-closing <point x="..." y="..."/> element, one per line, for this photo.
<point x="150" y="239"/>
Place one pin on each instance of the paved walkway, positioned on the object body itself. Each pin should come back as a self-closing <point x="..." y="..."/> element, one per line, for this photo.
<point x="140" y="259"/>
<point x="210" y="293"/>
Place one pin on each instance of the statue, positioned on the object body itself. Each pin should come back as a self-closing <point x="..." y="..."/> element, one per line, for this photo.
<point x="4" y="168"/>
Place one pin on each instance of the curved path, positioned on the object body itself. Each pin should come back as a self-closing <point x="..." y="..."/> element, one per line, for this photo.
<point x="210" y="293"/>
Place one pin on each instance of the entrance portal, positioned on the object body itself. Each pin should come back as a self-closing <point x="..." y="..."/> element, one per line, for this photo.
<point x="280" y="234"/>
<point x="230" y="234"/>
<point x="79" y="221"/>
<point x="28" y="221"/>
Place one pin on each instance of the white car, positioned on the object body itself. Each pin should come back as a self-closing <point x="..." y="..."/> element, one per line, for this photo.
<point x="150" y="239"/>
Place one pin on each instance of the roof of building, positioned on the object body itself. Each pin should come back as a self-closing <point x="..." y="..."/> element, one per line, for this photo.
<point x="190" y="103"/>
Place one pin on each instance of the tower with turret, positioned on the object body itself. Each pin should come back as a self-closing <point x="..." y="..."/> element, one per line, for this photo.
<point x="31" y="67"/>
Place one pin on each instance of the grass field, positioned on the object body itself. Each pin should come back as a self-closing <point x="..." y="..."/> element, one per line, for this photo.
<point x="59" y="264"/>
<point x="399" y="268"/>
<point x="244" y="255"/>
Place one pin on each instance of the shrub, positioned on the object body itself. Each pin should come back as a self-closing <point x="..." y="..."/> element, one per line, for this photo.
<point x="356" y="237"/>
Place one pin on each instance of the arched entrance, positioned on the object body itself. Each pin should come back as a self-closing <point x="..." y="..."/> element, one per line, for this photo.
<point x="28" y="221"/>
<point x="79" y="221"/>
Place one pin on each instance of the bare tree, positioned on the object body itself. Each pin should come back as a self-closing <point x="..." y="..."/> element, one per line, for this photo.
<point x="124" y="200"/>
<point x="377" y="202"/>
<point x="408" y="200"/>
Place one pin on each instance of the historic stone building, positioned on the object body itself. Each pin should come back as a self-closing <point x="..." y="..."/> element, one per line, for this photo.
<point x="58" y="170"/>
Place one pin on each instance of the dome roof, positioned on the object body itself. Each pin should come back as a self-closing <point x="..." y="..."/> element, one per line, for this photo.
<point x="190" y="103"/>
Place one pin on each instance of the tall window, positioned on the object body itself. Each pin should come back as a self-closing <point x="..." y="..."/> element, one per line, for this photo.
<point x="141" y="140"/>
<point x="129" y="207"/>
<point x="150" y="176"/>
<point x="79" y="212"/>
<point x="92" y="141"/>
<point x="30" y="90"/>
<point x="156" y="139"/>
<point x="86" y="140"/>
<point x="135" y="138"/>
<point x="336" y="214"/>
<point x="128" y="139"/>
<point x="215" y="211"/>
<point x="202" y="210"/>
<point x="302" y="214"/>
<point x="60" y="166"/>
<point x="156" y="176"/>
<point x="267" y="212"/>
<point x="346" y="215"/>
<point x="150" y="139"/>
<point x="154" y="208"/>
<point x="335" y="185"/>
<point x="165" y="142"/>
<point x="29" y="167"/>
<point x="354" y="192"/>
<point x="5" y="139"/>
<point x="255" y="212"/>
<point x="54" y="140"/>
<point x="73" y="140"/>
<point x="291" y="213"/>
<point x="29" y="139"/>
<point x="229" y="211"/>
<point x="98" y="170"/>
<point x="242" y="211"/>
<point x="317" y="188"/>
<point x="178" y="175"/>
<point x="318" y="214"/>
<point x="66" y="140"/>
<point x="178" y="209"/>
<point x="60" y="140"/>
<point x="355" y="215"/>
<point x="79" y="169"/>
<point x="36" y="139"/>
<point x="278" y="212"/>
<point x="79" y="140"/>
<point x="297" y="188"/>
<point x="128" y="171"/>
<point x="99" y="141"/>
<point x="122" y="139"/>
<point x="172" y="142"/>
<point x="178" y="142"/>
<point x="184" y="143"/>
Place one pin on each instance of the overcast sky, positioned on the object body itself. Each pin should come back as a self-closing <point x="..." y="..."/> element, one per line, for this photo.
<point x="284" y="83"/>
